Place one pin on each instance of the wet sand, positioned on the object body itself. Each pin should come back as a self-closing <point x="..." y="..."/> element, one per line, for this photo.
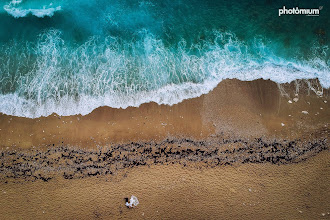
<point x="233" y="109"/>
<point x="245" y="150"/>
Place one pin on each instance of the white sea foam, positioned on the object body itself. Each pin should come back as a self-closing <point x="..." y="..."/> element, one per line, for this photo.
<point x="76" y="81"/>
<point x="15" y="9"/>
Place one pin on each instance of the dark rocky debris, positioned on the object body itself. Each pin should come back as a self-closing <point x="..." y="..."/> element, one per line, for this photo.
<point x="73" y="163"/>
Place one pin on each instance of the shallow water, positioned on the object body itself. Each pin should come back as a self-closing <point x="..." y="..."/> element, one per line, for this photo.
<point x="70" y="57"/>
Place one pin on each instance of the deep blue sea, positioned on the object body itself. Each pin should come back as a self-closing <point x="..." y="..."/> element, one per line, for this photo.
<point x="72" y="56"/>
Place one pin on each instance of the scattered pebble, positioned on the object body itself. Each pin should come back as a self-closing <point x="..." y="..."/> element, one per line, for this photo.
<point x="290" y="101"/>
<point x="325" y="101"/>
<point x="304" y="112"/>
<point x="295" y="99"/>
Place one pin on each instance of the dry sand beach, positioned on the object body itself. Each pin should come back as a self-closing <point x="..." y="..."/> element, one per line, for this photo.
<point x="246" y="150"/>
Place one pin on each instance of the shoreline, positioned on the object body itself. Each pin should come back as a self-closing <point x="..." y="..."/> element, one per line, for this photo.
<point x="237" y="123"/>
<point x="234" y="109"/>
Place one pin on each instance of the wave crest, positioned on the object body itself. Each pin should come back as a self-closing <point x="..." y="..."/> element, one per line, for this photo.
<point x="15" y="9"/>
<point x="53" y="77"/>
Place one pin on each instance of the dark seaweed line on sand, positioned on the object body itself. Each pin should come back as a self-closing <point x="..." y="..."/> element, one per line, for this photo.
<point x="73" y="163"/>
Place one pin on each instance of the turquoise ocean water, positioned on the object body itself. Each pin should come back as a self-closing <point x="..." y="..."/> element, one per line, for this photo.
<point x="72" y="56"/>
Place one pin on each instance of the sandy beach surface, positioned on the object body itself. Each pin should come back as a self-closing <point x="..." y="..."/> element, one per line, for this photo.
<point x="250" y="191"/>
<point x="246" y="150"/>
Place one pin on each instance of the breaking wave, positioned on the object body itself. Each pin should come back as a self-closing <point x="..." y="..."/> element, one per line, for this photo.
<point x="16" y="9"/>
<point x="54" y="77"/>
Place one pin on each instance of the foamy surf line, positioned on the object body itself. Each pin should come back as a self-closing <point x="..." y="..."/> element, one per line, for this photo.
<point x="12" y="104"/>
<point x="52" y="77"/>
